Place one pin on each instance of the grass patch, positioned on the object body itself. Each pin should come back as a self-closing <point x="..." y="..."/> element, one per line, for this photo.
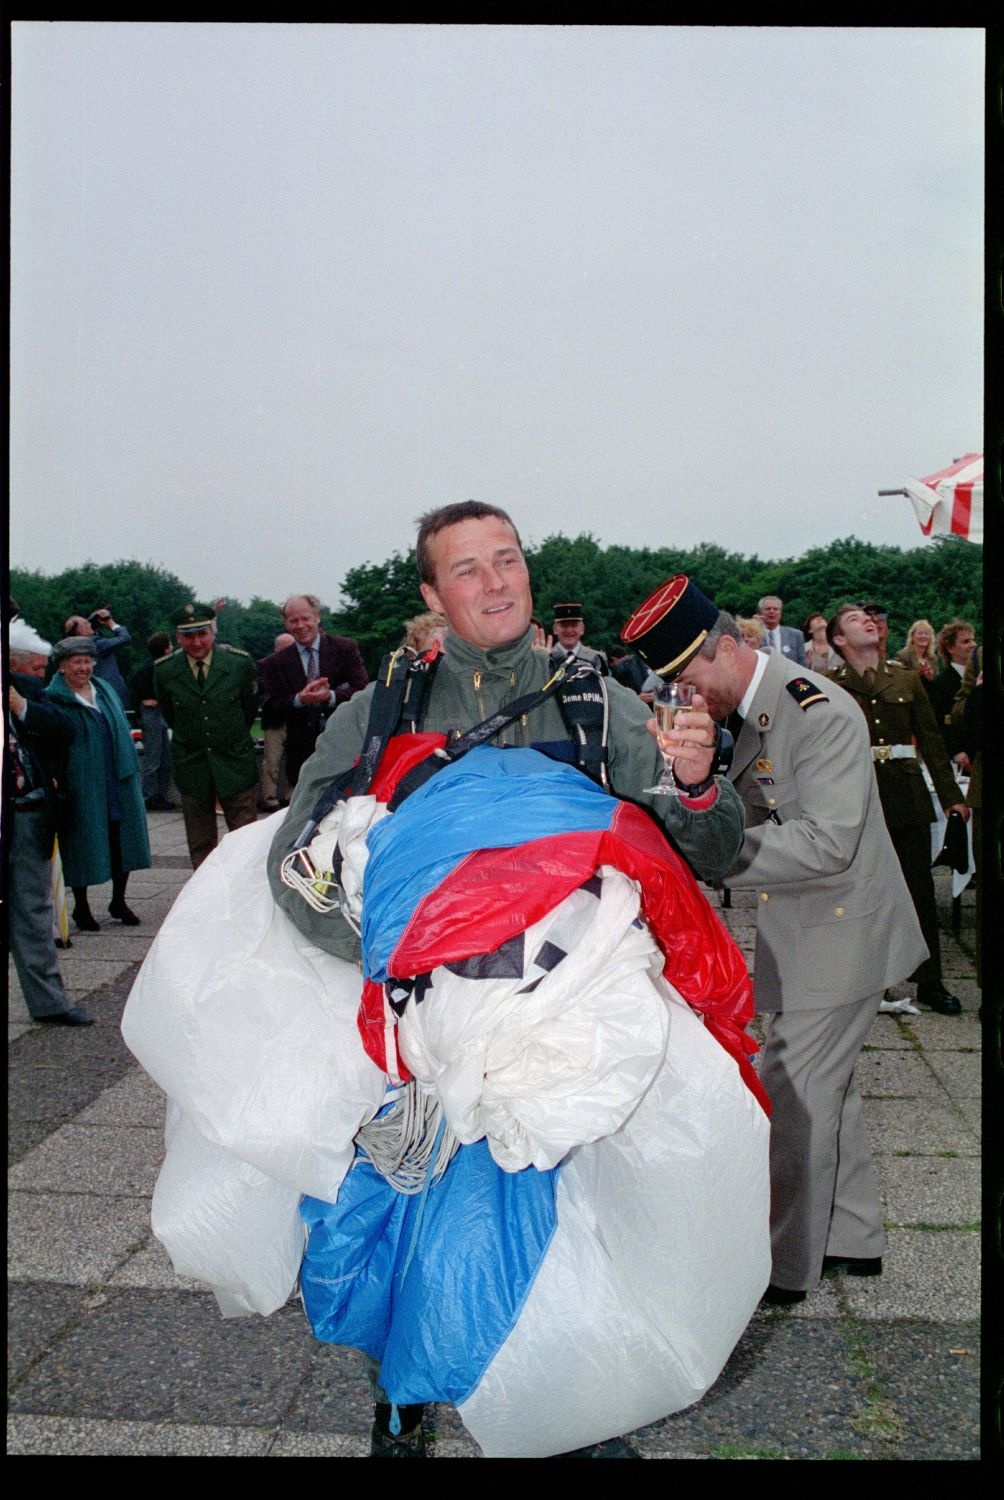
<point x="739" y="1450"/>
<point x="877" y="1418"/>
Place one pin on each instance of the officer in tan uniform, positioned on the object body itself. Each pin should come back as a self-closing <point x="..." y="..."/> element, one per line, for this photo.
<point x="901" y="724"/>
<point x="207" y="694"/>
<point x="835" y="925"/>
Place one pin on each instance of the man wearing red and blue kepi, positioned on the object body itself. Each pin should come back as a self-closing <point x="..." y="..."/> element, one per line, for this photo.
<point x="835" y="926"/>
<point x="472" y="570"/>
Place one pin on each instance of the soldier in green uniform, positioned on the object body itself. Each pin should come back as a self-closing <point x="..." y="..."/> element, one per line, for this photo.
<point x="207" y="694"/>
<point x="901" y="725"/>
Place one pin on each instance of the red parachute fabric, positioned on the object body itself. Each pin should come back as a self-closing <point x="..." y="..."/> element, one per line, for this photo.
<point x="494" y="894"/>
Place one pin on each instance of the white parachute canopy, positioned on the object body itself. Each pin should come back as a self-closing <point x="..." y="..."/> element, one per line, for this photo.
<point x="949" y="503"/>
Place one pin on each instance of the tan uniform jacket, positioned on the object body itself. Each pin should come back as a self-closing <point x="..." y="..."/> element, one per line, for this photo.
<point x="835" y="922"/>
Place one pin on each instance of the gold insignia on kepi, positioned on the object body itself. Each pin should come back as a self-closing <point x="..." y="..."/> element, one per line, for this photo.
<point x="765" y="765"/>
<point x="671" y="626"/>
<point x="763" y="720"/>
<point x="193" y="616"/>
<point x="805" y="692"/>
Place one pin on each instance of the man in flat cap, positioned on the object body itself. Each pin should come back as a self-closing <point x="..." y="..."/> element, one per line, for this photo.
<point x="835" y="926"/>
<point x="569" y="628"/>
<point x="206" y="692"/>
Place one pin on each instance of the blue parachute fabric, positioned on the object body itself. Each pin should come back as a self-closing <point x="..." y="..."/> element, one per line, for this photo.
<point x="467" y="807"/>
<point x="431" y="1293"/>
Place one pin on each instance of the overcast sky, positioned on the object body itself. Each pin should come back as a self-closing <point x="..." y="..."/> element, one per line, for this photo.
<point x="278" y="289"/>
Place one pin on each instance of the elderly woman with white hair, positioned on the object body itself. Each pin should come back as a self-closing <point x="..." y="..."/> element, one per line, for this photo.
<point x="105" y="836"/>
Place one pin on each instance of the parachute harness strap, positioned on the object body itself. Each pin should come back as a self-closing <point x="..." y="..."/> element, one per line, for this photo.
<point x="409" y="1143"/>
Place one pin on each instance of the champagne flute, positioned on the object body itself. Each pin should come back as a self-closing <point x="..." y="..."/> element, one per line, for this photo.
<point x="670" y="702"/>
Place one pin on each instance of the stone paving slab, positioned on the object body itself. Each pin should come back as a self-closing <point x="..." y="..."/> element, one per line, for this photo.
<point x="137" y="1100"/>
<point x="84" y="1437"/>
<point x="925" y="1127"/>
<point x="959" y="1073"/>
<point x="61" y="1237"/>
<point x="100" y="1159"/>
<point x="81" y="976"/>
<point x="933" y="1276"/>
<point x="897" y="1075"/>
<point x="170" y="1357"/>
<point x="766" y="1401"/>
<point x="929" y="1379"/>
<point x="335" y="1396"/>
<point x="887" y="1035"/>
<point x="930" y="1189"/>
<point x="150" y="1267"/>
<point x="37" y="1313"/>
<point x="112" y="1353"/>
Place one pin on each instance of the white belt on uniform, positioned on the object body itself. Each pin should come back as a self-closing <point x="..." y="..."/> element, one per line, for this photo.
<point x="894" y="752"/>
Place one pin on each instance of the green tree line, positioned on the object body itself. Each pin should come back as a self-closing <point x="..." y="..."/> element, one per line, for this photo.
<point x="933" y="582"/>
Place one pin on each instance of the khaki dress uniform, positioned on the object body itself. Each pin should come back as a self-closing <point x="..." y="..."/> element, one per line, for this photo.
<point x="211" y="744"/>
<point x="835" y="926"/>
<point x="901" y="724"/>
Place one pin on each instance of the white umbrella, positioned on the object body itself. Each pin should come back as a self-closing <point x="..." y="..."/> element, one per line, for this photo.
<point x="949" y="503"/>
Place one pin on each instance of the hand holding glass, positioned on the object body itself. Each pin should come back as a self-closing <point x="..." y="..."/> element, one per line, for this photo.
<point x="670" y="702"/>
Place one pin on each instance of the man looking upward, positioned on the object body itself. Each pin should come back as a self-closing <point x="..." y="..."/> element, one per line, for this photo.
<point x="899" y="719"/>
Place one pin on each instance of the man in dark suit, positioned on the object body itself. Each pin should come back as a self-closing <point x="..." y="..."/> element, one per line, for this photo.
<point x="39" y="732"/>
<point x="206" y="692"/>
<point x="305" y="683"/>
<point x="781" y="638"/>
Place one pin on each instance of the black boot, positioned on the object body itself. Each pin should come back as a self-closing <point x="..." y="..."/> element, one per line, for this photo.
<point x="118" y="908"/>
<point x="82" y="914"/>
<point x="408" y="1443"/>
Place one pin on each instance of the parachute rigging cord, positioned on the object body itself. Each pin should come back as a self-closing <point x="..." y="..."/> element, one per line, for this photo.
<point x="409" y="1143"/>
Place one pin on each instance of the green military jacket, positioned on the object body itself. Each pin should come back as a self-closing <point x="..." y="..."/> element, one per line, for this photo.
<point x="898" y="712"/>
<point x="974" y="797"/>
<point x="211" y="744"/>
<point x="470" y="684"/>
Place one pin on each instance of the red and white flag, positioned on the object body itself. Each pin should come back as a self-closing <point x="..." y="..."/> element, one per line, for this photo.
<point x="950" y="503"/>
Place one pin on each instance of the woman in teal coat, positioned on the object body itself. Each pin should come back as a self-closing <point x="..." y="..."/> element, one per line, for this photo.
<point x="105" y="835"/>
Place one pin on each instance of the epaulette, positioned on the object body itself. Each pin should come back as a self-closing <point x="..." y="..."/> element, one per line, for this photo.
<point x="901" y="664"/>
<point x="234" y="650"/>
<point x="805" y="692"/>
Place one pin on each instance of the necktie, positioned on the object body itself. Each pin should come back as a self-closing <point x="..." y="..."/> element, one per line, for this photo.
<point x="311" y="664"/>
<point x="734" y="723"/>
<point x="200" y="676"/>
<point x="868" y="677"/>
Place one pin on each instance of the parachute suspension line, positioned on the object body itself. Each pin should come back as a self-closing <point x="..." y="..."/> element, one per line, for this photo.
<point x="410" y="1143"/>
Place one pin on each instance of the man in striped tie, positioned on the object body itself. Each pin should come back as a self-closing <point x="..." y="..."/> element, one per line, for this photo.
<point x="306" y="682"/>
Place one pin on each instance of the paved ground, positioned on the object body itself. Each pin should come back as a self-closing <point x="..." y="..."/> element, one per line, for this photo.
<point x="112" y="1353"/>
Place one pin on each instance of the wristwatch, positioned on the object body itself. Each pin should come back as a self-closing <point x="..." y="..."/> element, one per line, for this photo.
<point x="724" y="748"/>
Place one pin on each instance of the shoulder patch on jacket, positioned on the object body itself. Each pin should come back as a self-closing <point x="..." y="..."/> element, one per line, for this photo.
<point x="233" y="650"/>
<point x="805" y="692"/>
